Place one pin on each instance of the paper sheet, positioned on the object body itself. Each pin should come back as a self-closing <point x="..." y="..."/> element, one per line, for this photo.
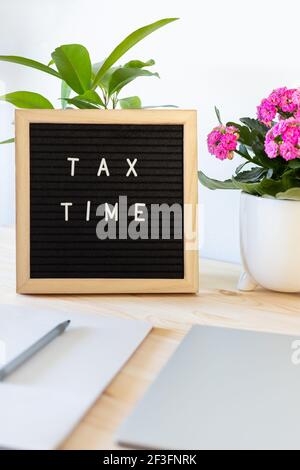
<point x="42" y="401"/>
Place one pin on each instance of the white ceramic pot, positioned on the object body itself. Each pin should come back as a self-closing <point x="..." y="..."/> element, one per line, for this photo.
<point x="270" y="243"/>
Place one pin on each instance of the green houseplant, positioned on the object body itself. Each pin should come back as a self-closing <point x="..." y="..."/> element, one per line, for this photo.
<point x="85" y="85"/>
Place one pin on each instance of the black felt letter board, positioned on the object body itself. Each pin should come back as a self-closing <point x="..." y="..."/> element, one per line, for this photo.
<point x="67" y="250"/>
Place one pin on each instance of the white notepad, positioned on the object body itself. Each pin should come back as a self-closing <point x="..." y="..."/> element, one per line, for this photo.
<point x="42" y="401"/>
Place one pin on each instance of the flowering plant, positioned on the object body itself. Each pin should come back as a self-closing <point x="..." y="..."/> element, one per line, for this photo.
<point x="270" y="145"/>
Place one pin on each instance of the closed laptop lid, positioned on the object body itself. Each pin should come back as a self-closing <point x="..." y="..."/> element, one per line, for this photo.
<point x="222" y="389"/>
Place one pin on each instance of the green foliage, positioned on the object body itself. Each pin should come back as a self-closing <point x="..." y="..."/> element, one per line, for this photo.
<point x="218" y="114"/>
<point x="29" y="63"/>
<point x="255" y="125"/>
<point x="256" y="182"/>
<point x="27" y="99"/>
<point x="215" y="184"/>
<point x="87" y="86"/>
<point x="65" y="92"/>
<point x="127" y="44"/>
<point x="88" y="100"/>
<point x="74" y="65"/>
<point x="139" y="64"/>
<point x="132" y="102"/>
<point x="125" y="75"/>
<point x="7" y="141"/>
<point x="292" y="194"/>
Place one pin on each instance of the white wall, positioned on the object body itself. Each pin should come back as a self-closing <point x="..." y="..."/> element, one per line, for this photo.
<point x="229" y="53"/>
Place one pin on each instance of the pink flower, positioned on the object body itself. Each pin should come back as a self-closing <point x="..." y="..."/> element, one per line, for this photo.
<point x="287" y="105"/>
<point x="266" y="112"/>
<point x="272" y="149"/>
<point x="229" y="141"/>
<point x="291" y="135"/>
<point x="284" y="102"/>
<point x="296" y="97"/>
<point x="222" y="142"/>
<point x="213" y="139"/>
<point x="288" y="151"/>
<point x="284" y="140"/>
<point x="276" y="96"/>
<point x="296" y="100"/>
<point x="280" y="128"/>
<point x="221" y="152"/>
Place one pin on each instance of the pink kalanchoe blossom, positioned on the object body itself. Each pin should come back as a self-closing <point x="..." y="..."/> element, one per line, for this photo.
<point x="213" y="139"/>
<point x="276" y="96"/>
<point x="287" y="105"/>
<point x="288" y="151"/>
<point x="282" y="102"/>
<point x="222" y="142"/>
<point x="272" y="149"/>
<point x="296" y="100"/>
<point x="283" y="140"/>
<point x="266" y="112"/>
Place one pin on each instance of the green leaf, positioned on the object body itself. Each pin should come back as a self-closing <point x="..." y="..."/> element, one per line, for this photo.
<point x="27" y="99"/>
<point x="65" y="92"/>
<point x="262" y="158"/>
<point x="96" y="67"/>
<point x="80" y="104"/>
<point x="245" y="136"/>
<point x="29" y="63"/>
<point x="88" y="100"/>
<point x="127" y="44"/>
<point x="261" y="188"/>
<point x="92" y="97"/>
<point x="8" y="141"/>
<point x="123" y="75"/>
<point x="104" y="83"/>
<point x="294" y="163"/>
<point x="255" y="125"/>
<point x="74" y="65"/>
<point x="243" y="149"/>
<point x="241" y="166"/>
<point x="267" y="187"/>
<point x="139" y="64"/>
<point x="251" y="176"/>
<point x="292" y="194"/>
<point x="132" y="102"/>
<point x="215" y="184"/>
<point x="218" y="114"/>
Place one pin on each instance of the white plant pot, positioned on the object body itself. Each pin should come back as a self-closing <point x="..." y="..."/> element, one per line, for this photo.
<point x="270" y="243"/>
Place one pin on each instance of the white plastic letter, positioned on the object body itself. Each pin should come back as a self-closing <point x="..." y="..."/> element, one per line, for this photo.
<point x="103" y="167"/>
<point x="112" y="214"/>
<point x="73" y="160"/>
<point x="88" y="211"/>
<point x="131" y="167"/>
<point x="139" y="211"/>
<point x="66" y="205"/>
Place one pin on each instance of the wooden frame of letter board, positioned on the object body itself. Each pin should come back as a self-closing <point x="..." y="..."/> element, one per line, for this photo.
<point x="27" y="285"/>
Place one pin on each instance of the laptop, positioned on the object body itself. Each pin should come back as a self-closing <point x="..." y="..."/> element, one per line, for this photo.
<point x="222" y="389"/>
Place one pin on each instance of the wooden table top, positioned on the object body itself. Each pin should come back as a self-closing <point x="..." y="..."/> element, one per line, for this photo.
<point x="218" y="303"/>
